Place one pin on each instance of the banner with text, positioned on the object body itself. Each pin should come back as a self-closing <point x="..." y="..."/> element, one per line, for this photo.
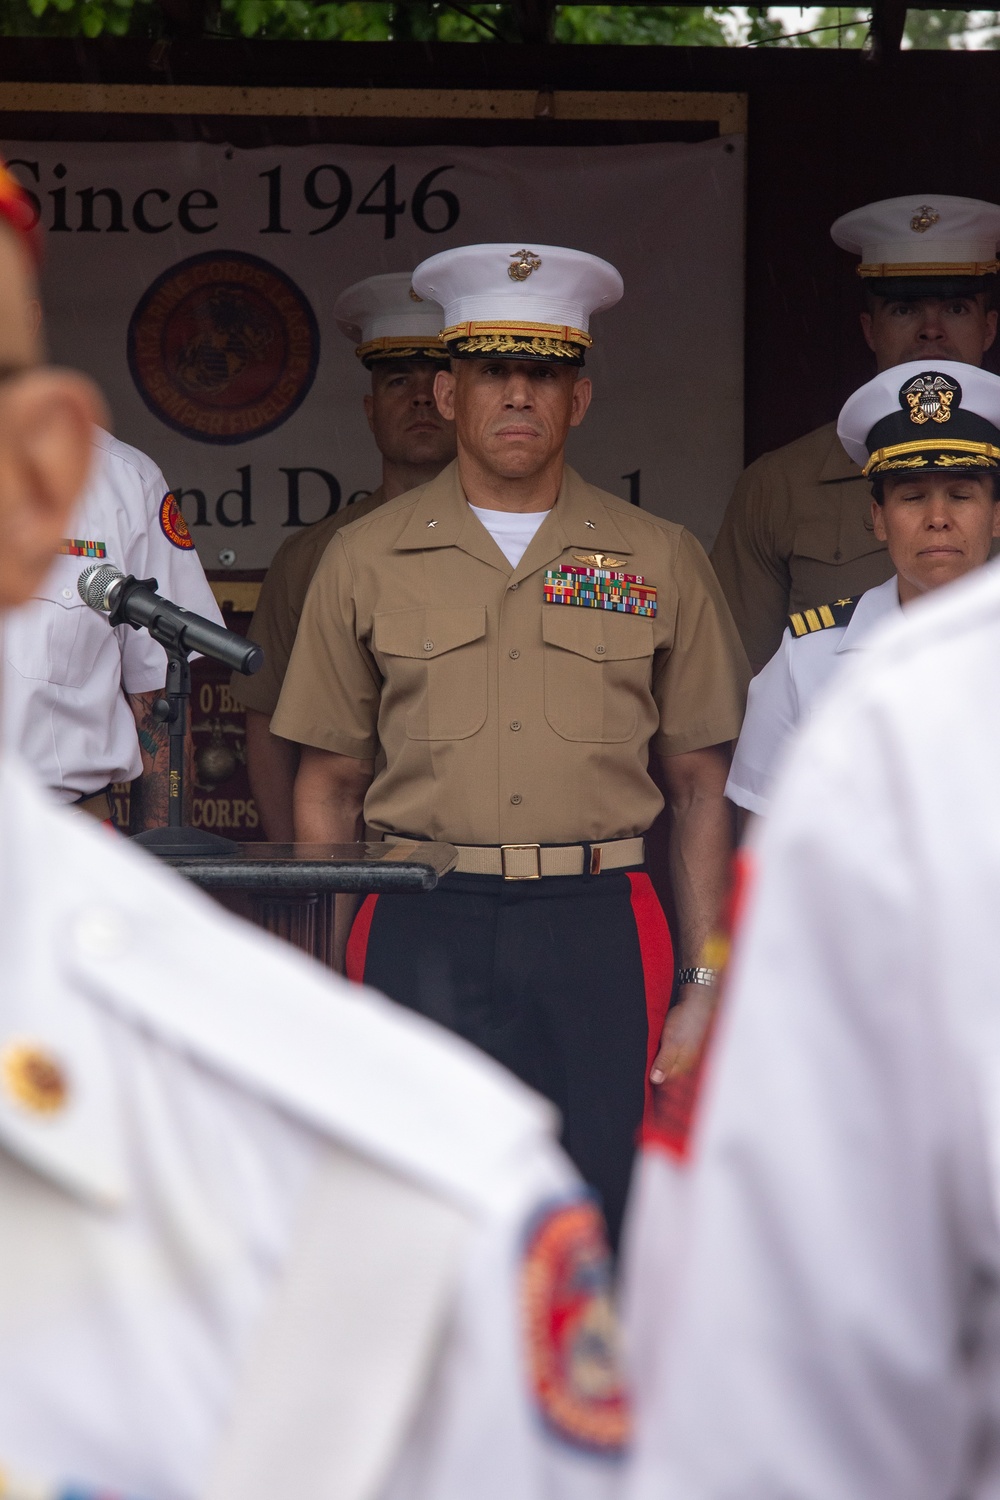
<point x="196" y="284"/>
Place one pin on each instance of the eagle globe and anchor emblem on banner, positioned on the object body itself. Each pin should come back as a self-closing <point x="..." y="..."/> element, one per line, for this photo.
<point x="223" y="347"/>
<point x="929" y="397"/>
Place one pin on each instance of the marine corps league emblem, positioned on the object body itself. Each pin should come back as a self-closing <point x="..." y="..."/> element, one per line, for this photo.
<point x="571" y="1331"/>
<point x="173" y="524"/>
<point x="930" y="397"/>
<point x="525" y="261"/>
<point x="223" y="347"/>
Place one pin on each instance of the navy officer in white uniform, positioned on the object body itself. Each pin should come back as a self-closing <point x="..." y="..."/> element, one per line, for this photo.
<point x="935" y="508"/>
<point x="261" y="1232"/>
<point x="815" y="1268"/>
<point x="79" y="695"/>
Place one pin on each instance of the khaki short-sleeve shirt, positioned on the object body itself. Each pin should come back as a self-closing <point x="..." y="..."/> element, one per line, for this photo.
<point x="797" y="534"/>
<point x="503" y="718"/>
<point x="282" y="595"/>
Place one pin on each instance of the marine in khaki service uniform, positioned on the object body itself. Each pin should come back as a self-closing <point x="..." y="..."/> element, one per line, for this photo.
<point x="262" y="1233"/>
<point x="938" y="515"/>
<point x="797" y="531"/>
<point x="398" y="339"/>
<point x="516" y="643"/>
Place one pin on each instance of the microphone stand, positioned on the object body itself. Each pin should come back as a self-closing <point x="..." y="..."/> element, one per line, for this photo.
<point x="173" y="710"/>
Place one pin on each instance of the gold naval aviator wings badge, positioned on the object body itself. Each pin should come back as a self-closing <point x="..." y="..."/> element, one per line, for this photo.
<point x="598" y="560"/>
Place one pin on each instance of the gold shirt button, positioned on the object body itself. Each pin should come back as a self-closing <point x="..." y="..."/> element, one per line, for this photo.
<point x="600" y="650"/>
<point x="513" y="653"/>
<point x="515" y="797"/>
<point x="428" y="645"/>
<point x="515" y="723"/>
<point x="33" y="1078"/>
<point x="514" y="586"/>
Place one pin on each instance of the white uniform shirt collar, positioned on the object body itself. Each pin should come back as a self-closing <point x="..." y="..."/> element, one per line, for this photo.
<point x="874" y="605"/>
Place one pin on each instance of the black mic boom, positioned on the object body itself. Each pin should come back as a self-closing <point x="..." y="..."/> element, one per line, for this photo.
<point x="134" y="601"/>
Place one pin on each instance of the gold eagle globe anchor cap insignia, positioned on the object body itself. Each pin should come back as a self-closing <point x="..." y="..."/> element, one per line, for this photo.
<point x="525" y="261"/>
<point x="925" y="218"/>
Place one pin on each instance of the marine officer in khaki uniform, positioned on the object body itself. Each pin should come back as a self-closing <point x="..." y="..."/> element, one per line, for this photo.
<point x="398" y="340"/>
<point x="516" y="643"/>
<point x="262" y="1234"/>
<point x="797" y="531"/>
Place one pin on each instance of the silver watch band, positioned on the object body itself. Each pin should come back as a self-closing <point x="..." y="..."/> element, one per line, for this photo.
<point x="699" y="975"/>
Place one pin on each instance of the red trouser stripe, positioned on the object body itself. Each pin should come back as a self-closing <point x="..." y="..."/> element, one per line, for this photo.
<point x="357" y="943"/>
<point x="657" y="967"/>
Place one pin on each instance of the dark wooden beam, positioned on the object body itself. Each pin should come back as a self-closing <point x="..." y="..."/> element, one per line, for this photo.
<point x="184" y="18"/>
<point x="886" y="33"/>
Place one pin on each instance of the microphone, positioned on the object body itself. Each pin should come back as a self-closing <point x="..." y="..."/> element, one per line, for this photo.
<point x="134" y="601"/>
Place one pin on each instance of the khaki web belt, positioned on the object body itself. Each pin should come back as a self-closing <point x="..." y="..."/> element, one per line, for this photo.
<point x="535" y="861"/>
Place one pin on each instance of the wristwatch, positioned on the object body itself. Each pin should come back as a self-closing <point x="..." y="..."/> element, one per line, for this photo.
<point x="699" y="975"/>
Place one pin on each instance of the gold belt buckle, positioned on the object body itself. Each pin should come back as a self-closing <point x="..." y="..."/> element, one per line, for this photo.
<point x="506" y="849"/>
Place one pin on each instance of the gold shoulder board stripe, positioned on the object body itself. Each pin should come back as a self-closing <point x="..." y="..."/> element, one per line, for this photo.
<point x="822" y="617"/>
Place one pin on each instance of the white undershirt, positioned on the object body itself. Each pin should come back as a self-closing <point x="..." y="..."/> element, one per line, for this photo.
<point x="512" y="530"/>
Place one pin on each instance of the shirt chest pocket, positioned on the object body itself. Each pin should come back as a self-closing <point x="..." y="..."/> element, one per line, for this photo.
<point x="598" y="669"/>
<point x="434" y="662"/>
<point x="843" y="535"/>
<point x="51" y="640"/>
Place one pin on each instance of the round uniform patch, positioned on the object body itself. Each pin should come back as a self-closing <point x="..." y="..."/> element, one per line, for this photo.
<point x="223" y="347"/>
<point x="571" y="1331"/>
<point x="173" y="524"/>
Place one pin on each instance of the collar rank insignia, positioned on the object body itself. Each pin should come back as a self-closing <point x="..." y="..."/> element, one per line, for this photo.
<point x="600" y="588"/>
<point x="822" y="618"/>
<point x="74" y="546"/>
<point x="929" y="398"/>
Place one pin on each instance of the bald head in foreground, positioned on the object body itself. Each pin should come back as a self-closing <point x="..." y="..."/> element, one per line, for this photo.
<point x="262" y="1233"/>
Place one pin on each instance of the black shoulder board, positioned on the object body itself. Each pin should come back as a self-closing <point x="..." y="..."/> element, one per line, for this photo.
<point x="822" y="617"/>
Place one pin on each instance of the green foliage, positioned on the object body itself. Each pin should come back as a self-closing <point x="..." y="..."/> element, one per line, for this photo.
<point x="847" y="26"/>
<point x="301" y="20"/>
<point x="87" y="18"/>
<point x="369" y="21"/>
<point x="438" y="20"/>
<point x="664" y="26"/>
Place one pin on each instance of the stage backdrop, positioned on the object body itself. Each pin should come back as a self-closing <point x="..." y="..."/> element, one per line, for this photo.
<point x="197" y="283"/>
